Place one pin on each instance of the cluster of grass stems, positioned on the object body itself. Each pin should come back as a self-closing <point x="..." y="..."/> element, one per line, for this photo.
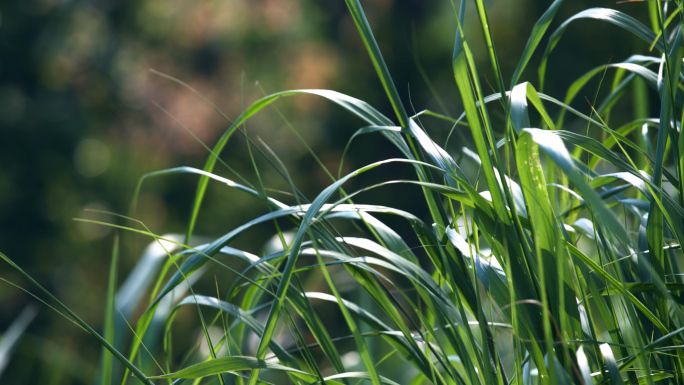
<point x="538" y="270"/>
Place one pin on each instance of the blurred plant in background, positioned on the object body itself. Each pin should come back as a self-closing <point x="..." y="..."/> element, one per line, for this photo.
<point x="82" y="119"/>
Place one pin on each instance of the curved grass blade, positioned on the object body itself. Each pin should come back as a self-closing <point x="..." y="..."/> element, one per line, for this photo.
<point x="198" y="259"/>
<point x="271" y="274"/>
<point x="650" y="77"/>
<point x="355" y="106"/>
<point x="608" y="15"/>
<point x="519" y="114"/>
<point x="360" y="375"/>
<point x="412" y="353"/>
<point x="240" y="316"/>
<point x="366" y="34"/>
<point x="293" y="252"/>
<point x="231" y="364"/>
<point x="396" y="338"/>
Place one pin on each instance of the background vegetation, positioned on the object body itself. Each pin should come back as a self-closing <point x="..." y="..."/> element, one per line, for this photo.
<point x="82" y="119"/>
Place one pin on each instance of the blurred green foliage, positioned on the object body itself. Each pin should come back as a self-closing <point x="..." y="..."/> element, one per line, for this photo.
<point x="79" y="125"/>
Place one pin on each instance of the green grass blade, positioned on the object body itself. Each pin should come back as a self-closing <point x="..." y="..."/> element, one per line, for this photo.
<point x="357" y="107"/>
<point x="141" y="376"/>
<point x="360" y="375"/>
<point x="558" y="298"/>
<point x="489" y="41"/>
<point x="553" y="146"/>
<point x="230" y="364"/>
<point x="110" y="324"/>
<point x="375" y="55"/>
<point x="593" y="266"/>
<point x="650" y="77"/>
<point x="655" y="228"/>
<point x="382" y="71"/>
<point x="604" y="14"/>
<point x="198" y="259"/>
<point x="293" y="252"/>
<point x="358" y="338"/>
<point x="535" y="38"/>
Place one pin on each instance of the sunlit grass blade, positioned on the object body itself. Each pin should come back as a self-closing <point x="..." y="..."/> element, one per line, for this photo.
<point x="230" y="364"/>
<point x="558" y="298"/>
<point x="611" y="365"/>
<point x="555" y="149"/>
<point x="293" y="253"/>
<point x="650" y="77"/>
<point x="612" y="16"/>
<point x="508" y="240"/>
<point x="357" y="107"/>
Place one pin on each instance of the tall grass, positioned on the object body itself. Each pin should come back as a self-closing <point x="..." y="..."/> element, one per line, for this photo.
<point x="542" y="269"/>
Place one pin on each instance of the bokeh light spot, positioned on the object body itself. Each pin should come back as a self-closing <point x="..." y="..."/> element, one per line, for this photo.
<point x="351" y="359"/>
<point x="91" y="157"/>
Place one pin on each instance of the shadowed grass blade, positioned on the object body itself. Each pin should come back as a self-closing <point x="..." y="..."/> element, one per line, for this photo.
<point x="535" y="37"/>
<point x="110" y="324"/>
<point x="141" y="376"/>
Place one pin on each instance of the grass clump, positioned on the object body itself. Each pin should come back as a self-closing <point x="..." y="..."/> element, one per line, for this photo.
<point x="542" y="268"/>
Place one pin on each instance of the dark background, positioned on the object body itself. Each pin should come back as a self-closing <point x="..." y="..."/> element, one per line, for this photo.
<point x="78" y="126"/>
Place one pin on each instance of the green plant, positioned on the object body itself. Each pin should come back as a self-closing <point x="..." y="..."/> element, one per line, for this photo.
<point x="540" y="269"/>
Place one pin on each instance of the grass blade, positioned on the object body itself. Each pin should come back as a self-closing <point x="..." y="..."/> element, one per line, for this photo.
<point x="110" y="324"/>
<point x="141" y="376"/>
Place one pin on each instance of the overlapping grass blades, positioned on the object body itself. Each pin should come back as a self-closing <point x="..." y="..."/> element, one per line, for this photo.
<point x="548" y="270"/>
